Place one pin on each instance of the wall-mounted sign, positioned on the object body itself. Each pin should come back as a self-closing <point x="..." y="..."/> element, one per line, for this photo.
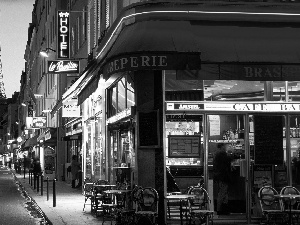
<point x="63" y="66"/>
<point x="30" y="110"/>
<point x="63" y="39"/>
<point x="239" y="107"/>
<point x="151" y="61"/>
<point x="71" y="109"/>
<point x="36" y="122"/>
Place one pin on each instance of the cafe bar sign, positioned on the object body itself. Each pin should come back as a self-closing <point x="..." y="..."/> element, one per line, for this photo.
<point x="63" y="66"/>
<point x="63" y="33"/>
<point x="238" y="107"/>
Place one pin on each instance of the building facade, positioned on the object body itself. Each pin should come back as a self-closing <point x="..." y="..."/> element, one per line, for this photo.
<point x="166" y="84"/>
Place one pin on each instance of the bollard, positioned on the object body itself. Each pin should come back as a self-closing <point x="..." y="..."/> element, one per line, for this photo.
<point x="38" y="183"/>
<point x="34" y="181"/>
<point x="24" y="169"/>
<point x="47" y="188"/>
<point x="42" y="185"/>
<point x="29" y="176"/>
<point x="54" y="193"/>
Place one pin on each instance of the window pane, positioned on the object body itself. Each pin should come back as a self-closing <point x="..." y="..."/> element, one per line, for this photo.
<point x="130" y="91"/>
<point x="121" y="95"/>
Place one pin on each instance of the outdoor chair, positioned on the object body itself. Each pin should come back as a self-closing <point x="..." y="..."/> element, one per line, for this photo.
<point x="98" y="195"/>
<point x="147" y="206"/>
<point x="127" y="214"/>
<point x="199" y="206"/>
<point x="88" y="192"/>
<point x="115" y="203"/>
<point x="291" y="205"/>
<point x="270" y="206"/>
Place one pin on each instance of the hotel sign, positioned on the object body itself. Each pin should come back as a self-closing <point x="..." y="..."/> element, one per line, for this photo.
<point x="238" y="107"/>
<point x="63" y="35"/>
<point x="63" y="66"/>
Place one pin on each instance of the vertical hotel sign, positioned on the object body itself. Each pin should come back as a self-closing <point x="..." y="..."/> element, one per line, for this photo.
<point x="63" y="35"/>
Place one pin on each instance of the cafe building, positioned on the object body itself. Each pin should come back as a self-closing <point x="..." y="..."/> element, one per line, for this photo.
<point x="195" y="79"/>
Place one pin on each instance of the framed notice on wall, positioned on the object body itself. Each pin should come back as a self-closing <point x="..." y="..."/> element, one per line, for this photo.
<point x="148" y="129"/>
<point x="184" y="146"/>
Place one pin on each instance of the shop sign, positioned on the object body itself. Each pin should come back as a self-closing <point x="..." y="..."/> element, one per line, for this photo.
<point x="30" y="110"/>
<point x="63" y="66"/>
<point x="119" y="116"/>
<point x="257" y="107"/>
<point x="240" y="107"/>
<point x="71" y="109"/>
<point x="151" y="61"/>
<point x="36" y="122"/>
<point x="184" y="106"/>
<point x="63" y="35"/>
<point x="47" y="135"/>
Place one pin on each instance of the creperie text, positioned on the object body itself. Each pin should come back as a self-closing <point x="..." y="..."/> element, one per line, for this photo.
<point x="133" y="62"/>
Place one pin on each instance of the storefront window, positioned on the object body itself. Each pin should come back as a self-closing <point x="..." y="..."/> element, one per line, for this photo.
<point x="121" y="95"/>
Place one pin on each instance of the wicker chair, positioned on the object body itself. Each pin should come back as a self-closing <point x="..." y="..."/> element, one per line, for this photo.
<point x="147" y="206"/>
<point x="270" y="207"/>
<point x="199" y="206"/>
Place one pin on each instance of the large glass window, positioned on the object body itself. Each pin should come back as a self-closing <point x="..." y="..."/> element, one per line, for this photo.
<point x="182" y="87"/>
<point x="121" y="95"/>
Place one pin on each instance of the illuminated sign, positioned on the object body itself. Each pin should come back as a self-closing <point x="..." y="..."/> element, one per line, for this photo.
<point x="36" y="122"/>
<point x="240" y="107"/>
<point x="63" y="35"/>
<point x="71" y="109"/>
<point x="63" y="66"/>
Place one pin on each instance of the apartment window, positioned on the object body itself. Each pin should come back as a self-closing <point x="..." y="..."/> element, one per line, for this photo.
<point x="78" y="33"/>
<point x="84" y="23"/>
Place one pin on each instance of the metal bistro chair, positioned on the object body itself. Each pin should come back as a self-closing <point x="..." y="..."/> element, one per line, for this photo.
<point x="114" y="204"/>
<point x="291" y="206"/>
<point x="270" y="207"/>
<point x="98" y="195"/>
<point x="147" y="206"/>
<point x="88" y="192"/>
<point x="127" y="214"/>
<point x="199" y="206"/>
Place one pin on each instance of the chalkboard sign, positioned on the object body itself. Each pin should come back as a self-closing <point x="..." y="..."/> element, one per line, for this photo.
<point x="268" y="143"/>
<point x="148" y="129"/>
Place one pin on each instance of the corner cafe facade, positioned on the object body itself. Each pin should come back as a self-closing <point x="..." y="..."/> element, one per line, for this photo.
<point x="202" y="74"/>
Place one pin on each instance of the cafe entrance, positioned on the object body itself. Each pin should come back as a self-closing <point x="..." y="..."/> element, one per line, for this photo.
<point x="246" y="152"/>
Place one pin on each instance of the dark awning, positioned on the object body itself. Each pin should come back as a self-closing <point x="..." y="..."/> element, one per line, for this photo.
<point x="90" y="88"/>
<point x="30" y="142"/>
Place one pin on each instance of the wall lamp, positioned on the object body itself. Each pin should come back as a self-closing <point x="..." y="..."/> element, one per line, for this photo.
<point x="45" y="53"/>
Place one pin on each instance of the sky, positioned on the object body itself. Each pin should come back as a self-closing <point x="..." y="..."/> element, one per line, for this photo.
<point x="15" y="16"/>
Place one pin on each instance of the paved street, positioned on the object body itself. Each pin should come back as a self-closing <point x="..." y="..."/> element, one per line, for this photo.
<point x="15" y="207"/>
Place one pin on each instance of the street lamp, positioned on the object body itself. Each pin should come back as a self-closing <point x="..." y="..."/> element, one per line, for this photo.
<point x="45" y="53"/>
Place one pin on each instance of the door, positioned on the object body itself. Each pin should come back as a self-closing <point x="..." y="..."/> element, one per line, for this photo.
<point x="227" y="165"/>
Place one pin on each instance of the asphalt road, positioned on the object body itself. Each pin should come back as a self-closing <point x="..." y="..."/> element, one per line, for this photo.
<point x="15" y="207"/>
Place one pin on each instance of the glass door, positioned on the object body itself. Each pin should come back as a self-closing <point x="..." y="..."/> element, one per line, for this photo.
<point x="227" y="165"/>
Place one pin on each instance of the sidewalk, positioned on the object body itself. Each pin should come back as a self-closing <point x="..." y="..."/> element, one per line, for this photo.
<point x="69" y="202"/>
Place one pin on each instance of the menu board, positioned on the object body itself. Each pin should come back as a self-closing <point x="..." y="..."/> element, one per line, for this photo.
<point x="184" y="146"/>
<point x="268" y="144"/>
<point x="262" y="175"/>
<point x="148" y="129"/>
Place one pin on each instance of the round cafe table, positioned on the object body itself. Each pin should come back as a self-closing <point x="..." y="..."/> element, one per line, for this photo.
<point x="289" y="197"/>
